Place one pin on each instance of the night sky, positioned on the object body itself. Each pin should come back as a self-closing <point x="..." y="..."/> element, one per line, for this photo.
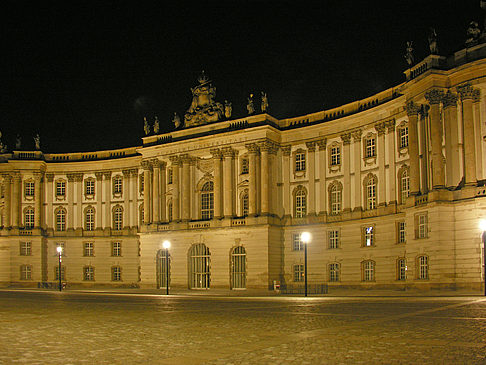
<point x="84" y="74"/>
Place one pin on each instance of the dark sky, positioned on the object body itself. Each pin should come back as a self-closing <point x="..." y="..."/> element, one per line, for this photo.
<point x="83" y="74"/>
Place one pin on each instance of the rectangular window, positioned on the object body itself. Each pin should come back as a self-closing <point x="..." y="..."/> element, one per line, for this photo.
<point x="299" y="273"/>
<point x="60" y="188"/>
<point x="207" y="205"/>
<point x="422" y="226"/>
<point x="141" y="182"/>
<point x="297" y="244"/>
<point x="88" y="273"/>
<point x="370" y="147"/>
<point x="29" y="218"/>
<point x="368" y="236"/>
<point x="401" y="269"/>
<point x="88" y="249"/>
<point x="401" y="232"/>
<point x="56" y="273"/>
<point x="117" y="185"/>
<point x="403" y="137"/>
<point x="116" y="249"/>
<point x="89" y="187"/>
<point x="335" y="201"/>
<point x="116" y="273"/>
<point x="423" y="267"/>
<point x="300" y="161"/>
<point x="333" y="239"/>
<point x="25" y="248"/>
<point x="245" y="166"/>
<point x="169" y="176"/>
<point x="29" y="189"/>
<point x="335" y="155"/>
<point x="25" y="272"/>
<point x="334" y="272"/>
<point x="368" y="271"/>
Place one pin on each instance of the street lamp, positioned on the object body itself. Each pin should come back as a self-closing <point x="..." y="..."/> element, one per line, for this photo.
<point x="59" y="251"/>
<point x="166" y="245"/>
<point x="305" y="237"/>
<point x="482" y="227"/>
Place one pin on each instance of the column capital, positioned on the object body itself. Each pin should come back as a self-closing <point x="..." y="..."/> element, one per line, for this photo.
<point x="16" y="176"/>
<point x="390" y="126"/>
<point x="155" y="163"/>
<point x="322" y="143"/>
<point x="133" y="172"/>
<point x="228" y="152"/>
<point x="216" y="153"/>
<point x="185" y="158"/>
<point x="252" y="148"/>
<point x="7" y="177"/>
<point x="78" y="177"/>
<point x="380" y="128"/>
<point x="99" y="175"/>
<point x="466" y="91"/>
<point x="175" y="160"/>
<point x="476" y="95"/>
<point x="71" y="177"/>
<point x="346" y="138"/>
<point x="434" y="96"/>
<point x="38" y="175"/>
<point x="450" y="99"/>
<point x="286" y="149"/>
<point x="107" y="175"/>
<point x="356" y="134"/>
<point x="311" y="146"/>
<point x="146" y="165"/>
<point x="412" y="108"/>
<point x="126" y="172"/>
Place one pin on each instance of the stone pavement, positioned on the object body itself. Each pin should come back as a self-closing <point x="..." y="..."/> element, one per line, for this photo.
<point x="73" y="327"/>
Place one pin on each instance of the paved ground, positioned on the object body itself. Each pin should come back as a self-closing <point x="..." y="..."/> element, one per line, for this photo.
<point x="110" y="328"/>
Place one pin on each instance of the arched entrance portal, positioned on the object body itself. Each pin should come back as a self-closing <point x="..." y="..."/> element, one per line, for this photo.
<point x="162" y="262"/>
<point x="199" y="267"/>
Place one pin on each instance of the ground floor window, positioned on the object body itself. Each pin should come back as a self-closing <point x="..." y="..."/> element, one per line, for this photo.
<point x="88" y="273"/>
<point x="334" y="272"/>
<point x="199" y="267"/>
<point x="25" y="272"/>
<point x="401" y="269"/>
<point x="56" y="273"/>
<point x="116" y="273"/>
<point x="368" y="270"/>
<point x="238" y="268"/>
<point x="298" y="273"/>
<point x="423" y="267"/>
<point x="162" y="265"/>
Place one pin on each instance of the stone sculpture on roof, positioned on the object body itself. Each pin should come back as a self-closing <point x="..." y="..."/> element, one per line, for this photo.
<point x="204" y="109"/>
<point x="250" y="106"/>
<point x="434" y="49"/>
<point x="409" y="53"/>
<point x="37" y="141"/>
<point x="264" y="105"/>
<point x="473" y="33"/>
<point x="146" y="127"/>
<point x="156" y="125"/>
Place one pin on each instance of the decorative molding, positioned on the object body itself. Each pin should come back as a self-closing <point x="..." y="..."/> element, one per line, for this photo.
<point x="311" y="146"/>
<point x="356" y="134"/>
<point x="252" y="148"/>
<point x="205" y="165"/>
<point x="322" y="143"/>
<point x="286" y="149"/>
<point x="476" y="95"/>
<point x="380" y="128"/>
<point x="466" y="91"/>
<point x="450" y="99"/>
<point x="346" y="138"/>
<point x="434" y="96"/>
<point x="412" y="108"/>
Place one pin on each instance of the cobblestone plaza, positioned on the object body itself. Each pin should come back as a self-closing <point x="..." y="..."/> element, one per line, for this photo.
<point x="75" y="327"/>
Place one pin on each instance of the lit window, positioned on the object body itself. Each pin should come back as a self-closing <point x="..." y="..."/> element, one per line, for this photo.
<point x="334" y="272"/>
<point x="117" y="185"/>
<point x="371" y="193"/>
<point x="89" y="219"/>
<point x="60" y="188"/>
<point x="298" y="273"/>
<point x="401" y="232"/>
<point x="25" y="272"/>
<point x="116" y="249"/>
<point x="116" y="273"/>
<point x="88" y="273"/>
<point x="423" y="267"/>
<point x="300" y="203"/>
<point x="300" y="161"/>
<point x="401" y="269"/>
<point x="29" y="189"/>
<point x="88" y="249"/>
<point x="25" y="248"/>
<point x="297" y="244"/>
<point x="333" y="239"/>
<point x="89" y="187"/>
<point x="118" y="218"/>
<point x="29" y="218"/>
<point x="403" y="137"/>
<point x="336" y="198"/>
<point x="370" y="147"/>
<point x="368" y="268"/>
<point x="61" y="219"/>
<point x="207" y="201"/>
<point x="404" y="186"/>
<point x="368" y="236"/>
<point x="335" y="155"/>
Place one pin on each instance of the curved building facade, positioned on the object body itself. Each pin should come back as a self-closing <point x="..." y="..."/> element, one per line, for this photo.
<point x="391" y="189"/>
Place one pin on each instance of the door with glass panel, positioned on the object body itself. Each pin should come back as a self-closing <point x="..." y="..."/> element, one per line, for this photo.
<point x="238" y="268"/>
<point x="199" y="267"/>
<point x="163" y="275"/>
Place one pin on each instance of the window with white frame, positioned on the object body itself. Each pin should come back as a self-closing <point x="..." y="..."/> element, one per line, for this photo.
<point x="116" y="273"/>
<point x="404" y="186"/>
<point x="335" y="155"/>
<point x="333" y="237"/>
<point x="335" y="201"/>
<point x="89" y="219"/>
<point x="300" y="161"/>
<point x="117" y="185"/>
<point x="300" y="202"/>
<point x="401" y="269"/>
<point x="116" y="249"/>
<point x="368" y="236"/>
<point x="297" y="244"/>
<point x="207" y="200"/>
<point x="403" y="137"/>
<point x="60" y="219"/>
<point x="370" y="193"/>
<point x="401" y="238"/>
<point x="88" y="249"/>
<point x="423" y="267"/>
<point x="25" y="272"/>
<point x="370" y="146"/>
<point x="29" y="189"/>
<point x="334" y="272"/>
<point x="368" y="269"/>
<point x="29" y="218"/>
<point x="422" y="226"/>
<point x="298" y="273"/>
<point x="88" y="273"/>
<point x="60" y="188"/>
<point x="118" y="218"/>
<point x="89" y="187"/>
<point x="25" y="248"/>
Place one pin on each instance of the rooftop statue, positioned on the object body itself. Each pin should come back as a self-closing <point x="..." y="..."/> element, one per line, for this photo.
<point x="473" y="33"/>
<point x="434" y="49"/>
<point x="3" y="147"/>
<point x="228" y="109"/>
<point x="156" y="125"/>
<point x="146" y="127"/>
<point x="264" y="105"/>
<point x="176" y="121"/>
<point x="18" y="142"/>
<point x="409" y="53"/>
<point x="204" y="109"/>
<point x="37" y="141"/>
<point x="250" y="106"/>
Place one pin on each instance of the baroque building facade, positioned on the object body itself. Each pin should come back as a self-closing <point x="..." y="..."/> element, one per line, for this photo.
<point x="390" y="187"/>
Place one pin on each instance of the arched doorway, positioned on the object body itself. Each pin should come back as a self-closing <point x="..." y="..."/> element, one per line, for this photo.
<point x="162" y="262"/>
<point x="238" y="268"/>
<point x="199" y="267"/>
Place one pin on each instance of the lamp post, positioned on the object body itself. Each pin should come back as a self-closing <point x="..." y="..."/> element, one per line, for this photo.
<point x="59" y="251"/>
<point x="166" y="245"/>
<point x="482" y="227"/>
<point x="305" y="238"/>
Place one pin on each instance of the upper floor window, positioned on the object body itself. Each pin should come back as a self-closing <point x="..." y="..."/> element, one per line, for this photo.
<point x="403" y="137"/>
<point x="333" y="237"/>
<point x="422" y="225"/>
<point x="170" y="176"/>
<point x="116" y="249"/>
<point x="244" y="203"/>
<point x="29" y="218"/>
<point x="60" y="188"/>
<point x="335" y="198"/>
<point x="368" y="236"/>
<point x="299" y="161"/>
<point x="88" y="249"/>
<point x="29" y="189"/>
<point x="404" y="185"/>
<point x="89" y="187"/>
<point x="89" y="219"/>
<point x="25" y="248"/>
<point x="370" y="192"/>
<point x="60" y="219"/>
<point x="335" y="155"/>
<point x="117" y="185"/>
<point x="401" y="238"/>
<point x="370" y="146"/>
<point x="141" y="183"/>
<point x="118" y="218"/>
<point x="207" y="201"/>
<point x="300" y="202"/>
<point x="245" y="165"/>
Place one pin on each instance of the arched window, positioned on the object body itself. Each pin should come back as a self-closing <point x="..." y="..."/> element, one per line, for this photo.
<point x="335" y="198"/>
<point x="238" y="268"/>
<point x="423" y="267"/>
<point x="199" y="267"/>
<point x="244" y="203"/>
<point x="300" y="202"/>
<point x="29" y="218"/>
<point x="89" y="219"/>
<point x="370" y="192"/>
<point x="117" y="218"/>
<point x="207" y="201"/>
<point x="169" y="211"/>
<point x="60" y="219"/>
<point x="404" y="185"/>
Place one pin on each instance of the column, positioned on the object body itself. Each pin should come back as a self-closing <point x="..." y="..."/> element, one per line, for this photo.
<point x="70" y="202"/>
<point x="217" y="183"/>
<point x="453" y="167"/>
<point x="311" y="200"/>
<point x="134" y="214"/>
<point x="424" y="149"/>
<point x="392" y="175"/>
<point x="186" y="187"/>
<point x="107" y="191"/>
<point x="155" y="191"/>
<point x="434" y="98"/>
<point x="467" y="92"/>
<point x="17" y="180"/>
<point x="286" y="179"/>
<point x="78" y="178"/>
<point x="146" y="192"/>
<point x="126" y="197"/>
<point x="163" y="191"/>
<point x="175" y="163"/>
<point x="381" y="128"/>
<point x="98" y="192"/>
<point x="357" y="169"/>
<point x="346" y="138"/>
<point x="272" y="153"/>
<point x="49" y="197"/>
<point x="194" y="214"/>
<point x="478" y="138"/>
<point x="264" y="167"/>
<point x="413" y="152"/>
<point x="228" y="154"/>
<point x="7" y="181"/>
<point x="37" y="200"/>
<point x="322" y="143"/>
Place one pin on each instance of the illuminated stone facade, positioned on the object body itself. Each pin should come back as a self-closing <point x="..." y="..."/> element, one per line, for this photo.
<point x="390" y="187"/>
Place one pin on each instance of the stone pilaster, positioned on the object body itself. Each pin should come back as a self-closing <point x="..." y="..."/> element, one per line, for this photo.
<point x="228" y="157"/>
<point x="37" y="199"/>
<point x="322" y="143"/>
<point x="49" y="197"/>
<point x="252" y="188"/>
<point x="286" y="150"/>
<point x="127" y="191"/>
<point x="186" y="187"/>
<point x="424" y="148"/>
<point x="434" y="97"/>
<point x="155" y="190"/>
<point x="346" y="160"/>
<point x="7" y="183"/>
<point x="146" y="166"/>
<point x="452" y="150"/>
<point x="357" y="134"/>
<point x="134" y="212"/>
<point x="265" y="148"/>
<point x="107" y="191"/>
<point x="175" y="163"/>
<point x="217" y="183"/>
<point x="478" y="138"/>
<point x="163" y="191"/>
<point x="99" y="199"/>
<point x="413" y="150"/>
<point x="381" y="129"/>
<point x="391" y="181"/>
<point x="70" y="201"/>
<point x="17" y="181"/>
<point x="467" y="93"/>
<point x="78" y="178"/>
<point x="311" y="149"/>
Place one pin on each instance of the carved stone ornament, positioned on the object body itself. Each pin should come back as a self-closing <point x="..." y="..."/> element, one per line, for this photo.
<point x="205" y="165"/>
<point x="434" y="96"/>
<point x="450" y="99"/>
<point x="286" y="150"/>
<point x="476" y="95"/>
<point x="412" y="108"/>
<point x="380" y="128"/>
<point x="322" y="143"/>
<point x="311" y="146"/>
<point x="346" y="138"/>
<point x="357" y="135"/>
<point x="466" y="91"/>
<point x="252" y="148"/>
